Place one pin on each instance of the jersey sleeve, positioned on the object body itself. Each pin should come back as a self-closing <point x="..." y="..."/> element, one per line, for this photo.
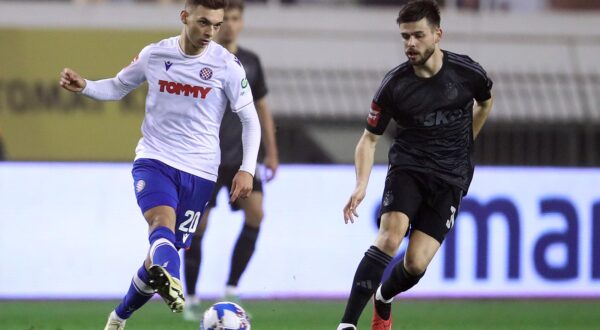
<point x="482" y="84"/>
<point x="237" y="88"/>
<point x="380" y="114"/>
<point x="135" y="73"/>
<point x="250" y="137"/>
<point x="259" y="86"/>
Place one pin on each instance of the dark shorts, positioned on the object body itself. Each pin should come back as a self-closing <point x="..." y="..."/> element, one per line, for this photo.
<point x="157" y="183"/>
<point x="430" y="203"/>
<point x="226" y="174"/>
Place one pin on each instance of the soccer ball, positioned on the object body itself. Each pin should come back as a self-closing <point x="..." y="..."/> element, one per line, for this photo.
<point x="225" y="316"/>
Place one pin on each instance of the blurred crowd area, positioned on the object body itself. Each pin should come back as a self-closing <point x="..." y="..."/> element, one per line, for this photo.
<point x="474" y="5"/>
<point x="546" y="80"/>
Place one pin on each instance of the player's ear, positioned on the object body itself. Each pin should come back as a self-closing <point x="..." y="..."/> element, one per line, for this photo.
<point x="438" y="34"/>
<point x="184" y="16"/>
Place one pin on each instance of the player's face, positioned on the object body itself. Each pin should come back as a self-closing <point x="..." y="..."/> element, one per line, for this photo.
<point x="420" y="40"/>
<point x="201" y="24"/>
<point x="233" y="23"/>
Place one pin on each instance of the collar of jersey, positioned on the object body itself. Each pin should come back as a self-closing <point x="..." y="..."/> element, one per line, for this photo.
<point x="192" y="56"/>
<point x="438" y="74"/>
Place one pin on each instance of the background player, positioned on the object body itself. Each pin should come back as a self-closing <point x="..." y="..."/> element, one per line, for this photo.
<point x="431" y="97"/>
<point x="230" y="162"/>
<point x="191" y="79"/>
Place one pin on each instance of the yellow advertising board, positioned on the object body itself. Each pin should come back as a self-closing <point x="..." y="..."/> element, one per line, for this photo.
<point x="41" y="121"/>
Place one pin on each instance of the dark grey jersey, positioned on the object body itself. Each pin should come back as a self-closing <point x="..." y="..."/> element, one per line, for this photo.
<point x="230" y="133"/>
<point x="434" y="117"/>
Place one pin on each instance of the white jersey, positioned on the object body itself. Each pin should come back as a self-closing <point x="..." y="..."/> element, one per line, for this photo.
<point x="187" y="97"/>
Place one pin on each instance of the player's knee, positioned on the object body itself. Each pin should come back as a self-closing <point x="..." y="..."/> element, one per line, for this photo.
<point x="200" y="230"/>
<point x="156" y="220"/>
<point x="203" y="223"/>
<point x="254" y="216"/>
<point x="415" y="265"/>
<point x="390" y="242"/>
<point x="160" y="216"/>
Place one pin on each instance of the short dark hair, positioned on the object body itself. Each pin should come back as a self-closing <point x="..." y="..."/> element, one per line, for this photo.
<point x="211" y="4"/>
<point x="235" y="4"/>
<point x="417" y="10"/>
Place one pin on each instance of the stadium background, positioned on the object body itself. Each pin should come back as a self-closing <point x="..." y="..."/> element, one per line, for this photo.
<point x="530" y="227"/>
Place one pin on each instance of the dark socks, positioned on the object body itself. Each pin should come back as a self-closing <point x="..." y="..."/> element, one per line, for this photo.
<point x="193" y="259"/>
<point x="366" y="280"/>
<point x="399" y="281"/>
<point x="244" y="248"/>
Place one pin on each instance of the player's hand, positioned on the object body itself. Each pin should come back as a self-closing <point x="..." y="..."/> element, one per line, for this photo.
<point x="241" y="186"/>
<point x="71" y="81"/>
<point x="271" y="163"/>
<point x="350" y="209"/>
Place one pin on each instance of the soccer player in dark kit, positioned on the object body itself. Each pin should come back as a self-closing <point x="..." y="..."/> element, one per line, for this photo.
<point x="440" y="101"/>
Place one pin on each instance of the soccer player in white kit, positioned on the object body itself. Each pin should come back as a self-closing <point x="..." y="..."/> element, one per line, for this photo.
<point x="191" y="79"/>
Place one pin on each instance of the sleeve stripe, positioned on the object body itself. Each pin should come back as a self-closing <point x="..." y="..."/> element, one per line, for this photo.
<point x="243" y="106"/>
<point x="470" y="64"/>
<point x="473" y="67"/>
<point x="465" y="60"/>
<point x="483" y="74"/>
<point x="121" y="81"/>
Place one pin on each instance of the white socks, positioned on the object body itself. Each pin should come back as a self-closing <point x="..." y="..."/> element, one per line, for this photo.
<point x="231" y="290"/>
<point x="193" y="300"/>
<point x="114" y="316"/>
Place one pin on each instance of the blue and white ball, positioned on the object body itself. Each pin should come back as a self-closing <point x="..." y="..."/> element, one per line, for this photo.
<point x="225" y="316"/>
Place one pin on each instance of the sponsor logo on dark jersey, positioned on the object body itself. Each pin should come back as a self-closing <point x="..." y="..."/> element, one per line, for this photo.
<point x="374" y="115"/>
<point x="440" y="117"/>
<point x="185" y="89"/>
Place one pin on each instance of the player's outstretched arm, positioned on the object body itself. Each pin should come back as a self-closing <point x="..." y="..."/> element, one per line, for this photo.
<point x="102" y="90"/>
<point x="481" y="110"/>
<point x="112" y="89"/>
<point x="363" y="159"/>
<point x="71" y="81"/>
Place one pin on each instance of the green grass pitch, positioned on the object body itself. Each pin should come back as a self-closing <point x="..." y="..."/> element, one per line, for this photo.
<point x="316" y="315"/>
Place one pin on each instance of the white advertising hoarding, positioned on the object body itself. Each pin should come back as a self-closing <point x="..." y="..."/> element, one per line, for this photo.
<point x="75" y="231"/>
